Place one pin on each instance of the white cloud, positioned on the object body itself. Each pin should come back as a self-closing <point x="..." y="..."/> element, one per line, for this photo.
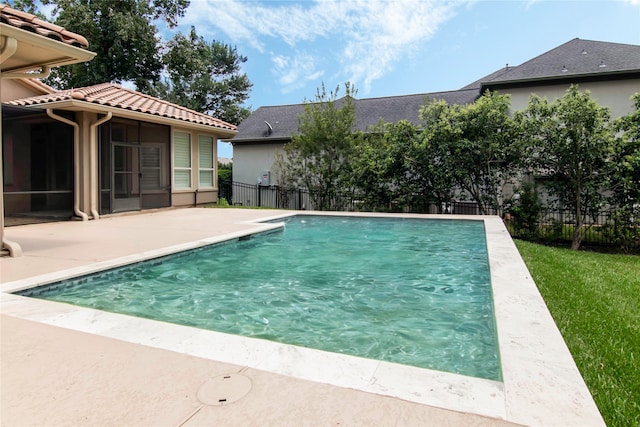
<point x="372" y="37"/>
<point x="294" y="72"/>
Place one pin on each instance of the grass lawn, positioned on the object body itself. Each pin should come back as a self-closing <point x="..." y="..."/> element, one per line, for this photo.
<point x="594" y="299"/>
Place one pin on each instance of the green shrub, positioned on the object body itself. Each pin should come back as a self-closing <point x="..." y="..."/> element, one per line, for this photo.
<point x="525" y="211"/>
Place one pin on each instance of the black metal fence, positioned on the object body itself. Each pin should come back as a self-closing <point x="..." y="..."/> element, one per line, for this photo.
<point x="558" y="226"/>
<point x="273" y="196"/>
<point x="551" y="226"/>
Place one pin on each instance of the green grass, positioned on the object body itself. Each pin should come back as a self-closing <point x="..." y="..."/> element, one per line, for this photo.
<point x="594" y="299"/>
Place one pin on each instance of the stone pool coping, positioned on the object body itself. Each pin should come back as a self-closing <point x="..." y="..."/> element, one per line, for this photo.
<point x="541" y="384"/>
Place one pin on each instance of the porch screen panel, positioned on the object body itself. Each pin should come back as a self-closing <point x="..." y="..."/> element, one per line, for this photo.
<point x="181" y="160"/>
<point x="205" y="157"/>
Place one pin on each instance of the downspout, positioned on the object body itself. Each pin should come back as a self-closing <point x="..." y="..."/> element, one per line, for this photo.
<point x="9" y="47"/>
<point x="76" y="162"/>
<point x="93" y="164"/>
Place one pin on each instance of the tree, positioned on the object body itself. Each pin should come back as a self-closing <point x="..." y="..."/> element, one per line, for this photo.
<point x="205" y="77"/>
<point x="379" y="165"/>
<point x="569" y="142"/>
<point x="469" y="147"/>
<point x="316" y="158"/>
<point x="624" y="181"/>
<point x="122" y="34"/>
<point x="433" y="167"/>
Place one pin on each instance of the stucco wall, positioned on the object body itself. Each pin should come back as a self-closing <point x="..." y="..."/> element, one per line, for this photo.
<point x="11" y="89"/>
<point x="250" y="161"/>
<point x="613" y="94"/>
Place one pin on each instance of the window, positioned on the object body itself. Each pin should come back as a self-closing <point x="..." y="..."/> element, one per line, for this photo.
<point x="181" y="160"/>
<point x="205" y="161"/>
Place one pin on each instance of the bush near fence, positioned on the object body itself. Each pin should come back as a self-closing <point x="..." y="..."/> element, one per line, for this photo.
<point x="552" y="226"/>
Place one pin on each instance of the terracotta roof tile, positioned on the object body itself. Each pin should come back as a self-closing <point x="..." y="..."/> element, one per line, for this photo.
<point x="28" y="22"/>
<point x="116" y="96"/>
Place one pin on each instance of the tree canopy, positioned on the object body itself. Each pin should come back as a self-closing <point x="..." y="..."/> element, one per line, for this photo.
<point x="204" y="76"/>
<point x="469" y="147"/>
<point x="624" y="181"/>
<point x="569" y="142"/>
<point x="122" y="33"/>
<point x="316" y="158"/>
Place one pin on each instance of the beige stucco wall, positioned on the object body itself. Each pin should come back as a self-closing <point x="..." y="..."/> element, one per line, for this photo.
<point x="11" y="89"/>
<point x="250" y="161"/>
<point x="613" y="94"/>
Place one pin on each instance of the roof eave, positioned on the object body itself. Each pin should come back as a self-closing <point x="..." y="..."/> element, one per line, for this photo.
<point x="263" y="140"/>
<point x="613" y="75"/>
<point x="76" y="105"/>
<point x="65" y="54"/>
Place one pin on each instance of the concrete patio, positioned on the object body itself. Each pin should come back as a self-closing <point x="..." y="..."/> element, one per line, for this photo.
<point x="62" y="365"/>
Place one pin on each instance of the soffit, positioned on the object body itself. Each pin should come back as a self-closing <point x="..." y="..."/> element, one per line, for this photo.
<point x="39" y="43"/>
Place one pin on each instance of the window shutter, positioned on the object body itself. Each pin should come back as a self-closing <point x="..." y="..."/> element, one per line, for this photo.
<point x="182" y="178"/>
<point x="205" y="147"/>
<point x="182" y="150"/>
<point x="182" y="160"/>
<point x="205" y="159"/>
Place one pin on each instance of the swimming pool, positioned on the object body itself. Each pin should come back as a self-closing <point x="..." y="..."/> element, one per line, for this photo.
<point x="409" y="291"/>
<point x="540" y="384"/>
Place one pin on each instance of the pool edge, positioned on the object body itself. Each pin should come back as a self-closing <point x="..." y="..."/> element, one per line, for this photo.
<point x="538" y="388"/>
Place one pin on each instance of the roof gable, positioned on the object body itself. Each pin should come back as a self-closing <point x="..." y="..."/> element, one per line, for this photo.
<point x="572" y="59"/>
<point x="116" y="96"/>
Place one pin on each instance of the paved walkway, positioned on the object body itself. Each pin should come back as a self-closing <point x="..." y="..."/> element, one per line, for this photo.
<point x="55" y="376"/>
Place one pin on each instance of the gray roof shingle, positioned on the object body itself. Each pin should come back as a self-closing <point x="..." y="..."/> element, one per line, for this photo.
<point x="283" y="119"/>
<point x="575" y="58"/>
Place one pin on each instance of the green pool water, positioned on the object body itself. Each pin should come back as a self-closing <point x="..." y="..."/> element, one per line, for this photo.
<point x="409" y="291"/>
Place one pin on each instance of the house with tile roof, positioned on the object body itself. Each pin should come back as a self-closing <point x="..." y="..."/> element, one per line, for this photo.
<point x="611" y="71"/>
<point x="102" y="149"/>
<point x="29" y="48"/>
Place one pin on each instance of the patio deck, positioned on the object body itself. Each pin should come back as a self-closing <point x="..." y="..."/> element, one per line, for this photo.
<point x="66" y="366"/>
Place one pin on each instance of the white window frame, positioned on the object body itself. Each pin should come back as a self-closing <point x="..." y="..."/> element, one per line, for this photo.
<point x="208" y="168"/>
<point x="179" y="166"/>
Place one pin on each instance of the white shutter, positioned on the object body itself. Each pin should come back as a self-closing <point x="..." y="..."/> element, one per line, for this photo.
<point x="181" y="160"/>
<point x="205" y="160"/>
<point x="205" y="147"/>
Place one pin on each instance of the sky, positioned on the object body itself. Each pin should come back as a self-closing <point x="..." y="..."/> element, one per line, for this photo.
<point x="395" y="47"/>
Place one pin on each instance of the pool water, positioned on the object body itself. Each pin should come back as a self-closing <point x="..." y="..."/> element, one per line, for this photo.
<point x="409" y="291"/>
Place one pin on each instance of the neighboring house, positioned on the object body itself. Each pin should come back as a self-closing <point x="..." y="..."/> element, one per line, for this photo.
<point x="611" y="71"/>
<point x="268" y="129"/>
<point x="103" y="149"/>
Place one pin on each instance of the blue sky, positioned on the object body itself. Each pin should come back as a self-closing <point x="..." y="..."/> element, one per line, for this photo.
<point x="388" y="48"/>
